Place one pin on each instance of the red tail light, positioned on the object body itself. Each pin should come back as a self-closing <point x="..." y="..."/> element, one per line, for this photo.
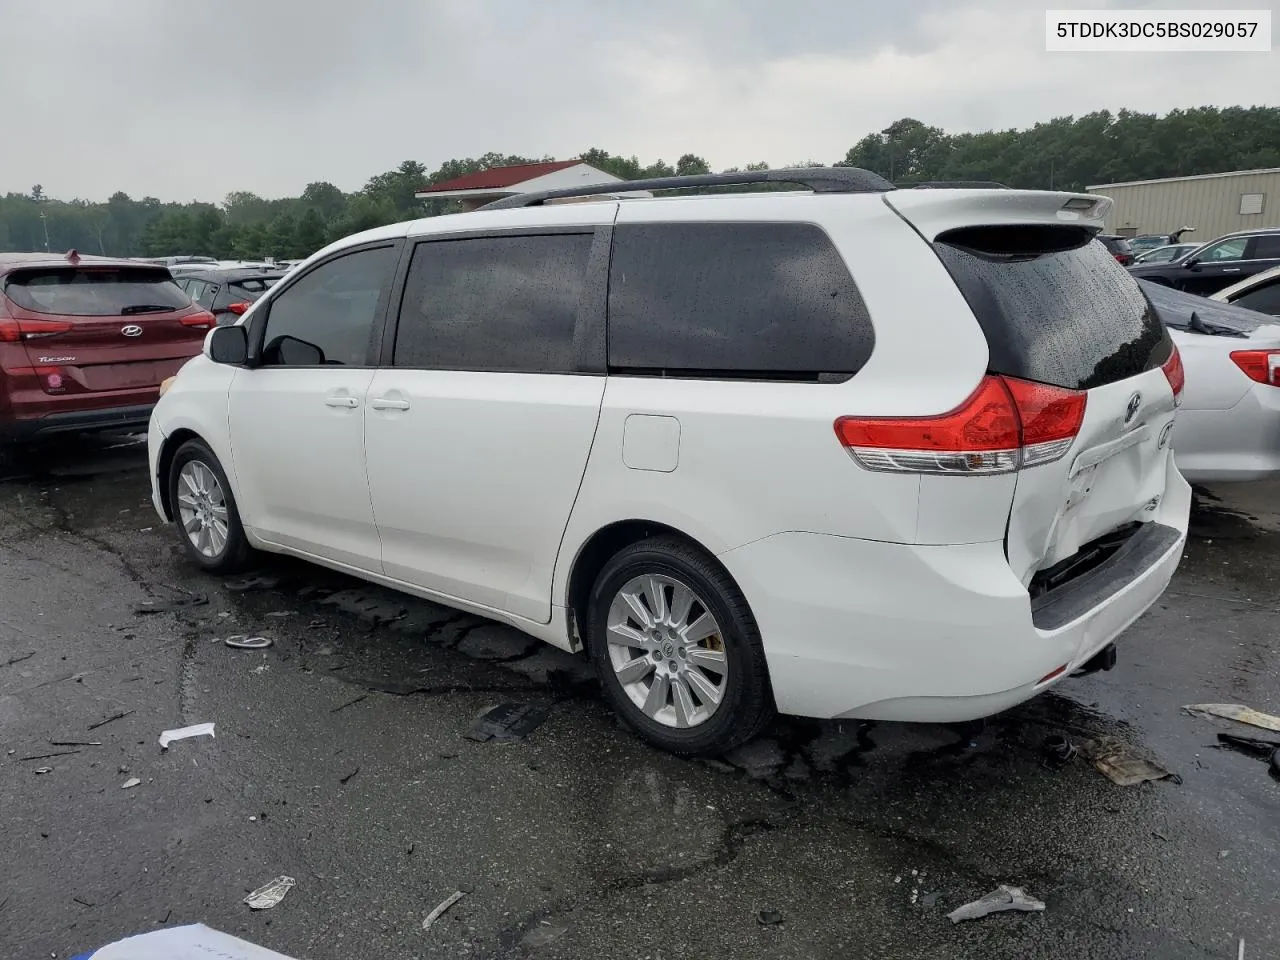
<point x="1006" y="424"/>
<point x="1260" y="365"/>
<point x="14" y="331"/>
<point x="1174" y="373"/>
<point x="239" y="308"/>
<point x="201" y="321"/>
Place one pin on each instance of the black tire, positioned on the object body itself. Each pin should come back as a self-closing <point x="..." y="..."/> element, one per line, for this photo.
<point x="747" y="699"/>
<point x="236" y="552"/>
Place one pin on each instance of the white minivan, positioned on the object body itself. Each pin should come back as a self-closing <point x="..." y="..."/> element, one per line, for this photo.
<point x="843" y="451"/>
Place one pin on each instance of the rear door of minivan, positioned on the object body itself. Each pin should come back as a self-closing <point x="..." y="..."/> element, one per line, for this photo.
<point x="1057" y="310"/>
<point x="104" y="333"/>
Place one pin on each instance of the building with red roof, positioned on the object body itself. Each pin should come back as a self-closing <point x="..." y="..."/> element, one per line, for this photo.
<point x="476" y="189"/>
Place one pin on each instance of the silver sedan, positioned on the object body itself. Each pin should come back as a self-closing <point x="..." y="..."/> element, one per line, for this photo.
<point x="1228" y="427"/>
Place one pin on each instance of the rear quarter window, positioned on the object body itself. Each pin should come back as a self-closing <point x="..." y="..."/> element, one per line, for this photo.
<point x="95" y="291"/>
<point x="1055" y="307"/>
<point x="734" y="300"/>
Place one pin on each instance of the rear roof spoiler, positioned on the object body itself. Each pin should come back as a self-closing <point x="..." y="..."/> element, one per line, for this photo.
<point x="933" y="212"/>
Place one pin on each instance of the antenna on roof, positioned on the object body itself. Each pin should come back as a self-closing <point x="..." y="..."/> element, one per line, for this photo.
<point x="73" y="255"/>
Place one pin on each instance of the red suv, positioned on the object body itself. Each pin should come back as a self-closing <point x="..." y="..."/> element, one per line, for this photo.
<point x="86" y="341"/>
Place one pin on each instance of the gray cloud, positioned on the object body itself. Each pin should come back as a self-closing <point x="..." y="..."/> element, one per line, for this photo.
<point x="193" y="100"/>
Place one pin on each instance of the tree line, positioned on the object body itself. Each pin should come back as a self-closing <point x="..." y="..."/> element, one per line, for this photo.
<point x="1066" y="153"/>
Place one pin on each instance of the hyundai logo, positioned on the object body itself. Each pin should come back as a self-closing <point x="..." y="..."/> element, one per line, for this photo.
<point x="131" y="330"/>
<point x="1131" y="410"/>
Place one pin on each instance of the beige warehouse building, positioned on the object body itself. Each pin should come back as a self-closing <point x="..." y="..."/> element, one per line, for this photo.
<point x="1214" y="204"/>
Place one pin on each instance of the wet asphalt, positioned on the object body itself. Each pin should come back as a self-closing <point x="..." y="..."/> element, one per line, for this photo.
<point x="342" y="760"/>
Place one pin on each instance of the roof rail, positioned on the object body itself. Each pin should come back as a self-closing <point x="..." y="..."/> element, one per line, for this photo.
<point x="817" y="179"/>
<point x="955" y="185"/>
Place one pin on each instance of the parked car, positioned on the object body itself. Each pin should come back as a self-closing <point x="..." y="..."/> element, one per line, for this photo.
<point x="715" y="440"/>
<point x="86" y="341"/>
<point x="1150" y="241"/>
<point x="1166" y="254"/>
<point x="1119" y="248"/>
<point x="227" y="293"/>
<point x="1228" y="426"/>
<point x="180" y="260"/>
<point x="1217" y="264"/>
<point x="1260" y="292"/>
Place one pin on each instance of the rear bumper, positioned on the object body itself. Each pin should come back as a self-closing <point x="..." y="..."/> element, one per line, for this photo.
<point x="76" y="421"/>
<point x="857" y="628"/>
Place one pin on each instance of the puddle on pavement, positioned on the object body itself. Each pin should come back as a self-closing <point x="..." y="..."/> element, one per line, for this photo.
<point x="1210" y="520"/>
<point x="373" y="639"/>
<point x="384" y="642"/>
<point x="76" y="457"/>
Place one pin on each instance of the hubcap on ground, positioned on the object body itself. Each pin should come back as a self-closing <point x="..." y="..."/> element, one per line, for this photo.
<point x="667" y="650"/>
<point x="202" y="508"/>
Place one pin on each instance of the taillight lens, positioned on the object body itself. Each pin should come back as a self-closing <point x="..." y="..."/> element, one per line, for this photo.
<point x="15" y="331"/>
<point x="1174" y="373"/>
<point x="239" y="308"/>
<point x="1005" y="424"/>
<point x="1260" y="365"/>
<point x="200" y="321"/>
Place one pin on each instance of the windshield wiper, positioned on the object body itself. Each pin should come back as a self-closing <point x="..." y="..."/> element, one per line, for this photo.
<point x="1196" y="325"/>
<point x="133" y="308"/>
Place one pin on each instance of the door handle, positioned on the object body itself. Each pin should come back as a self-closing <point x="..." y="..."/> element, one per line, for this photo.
<point x="347" y="402"/>
<point x="1232" y="269"/>
<point x="383" y="403"/>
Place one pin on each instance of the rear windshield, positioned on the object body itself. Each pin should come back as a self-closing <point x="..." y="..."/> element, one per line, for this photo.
<point x="252" y="288"/>
<point x="1056" y="307"/>
<point x="95" y="291"/>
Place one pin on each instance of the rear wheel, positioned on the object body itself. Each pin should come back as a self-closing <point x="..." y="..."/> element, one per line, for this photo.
<point x="677" y="649"/>
<point x="205" y="510"/>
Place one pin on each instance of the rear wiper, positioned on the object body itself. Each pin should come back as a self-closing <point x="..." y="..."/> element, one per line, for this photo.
<point x="145" y="308"/>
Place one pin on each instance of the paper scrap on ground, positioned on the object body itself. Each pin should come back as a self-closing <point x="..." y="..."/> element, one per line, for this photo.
<point x="435" y="914"/>
<point x="182" y="733"/>
<point x="268" y="895"/>
<point x="194" y="942"/>
<point x="999" y="899"/>
<point x="1235" y="711"/>
<point x="1121" y="765"/>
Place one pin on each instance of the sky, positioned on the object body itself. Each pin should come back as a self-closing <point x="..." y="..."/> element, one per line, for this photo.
<point x="184" y="99"/>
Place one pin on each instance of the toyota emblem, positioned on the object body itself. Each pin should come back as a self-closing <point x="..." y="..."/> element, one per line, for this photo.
<point x="131" y="330"/>
<point x="1131" y="410"/>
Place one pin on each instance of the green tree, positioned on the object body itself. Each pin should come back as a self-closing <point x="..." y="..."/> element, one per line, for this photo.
<point x="309" y="236"/>
<point x="324" y="198"/>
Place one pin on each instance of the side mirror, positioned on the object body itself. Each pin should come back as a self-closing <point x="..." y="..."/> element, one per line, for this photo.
<point x="1192" y="263"/>
<point x="228" y="345"/>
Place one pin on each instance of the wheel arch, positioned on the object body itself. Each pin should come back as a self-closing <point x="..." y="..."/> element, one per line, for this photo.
<point x="596" y="551"/>
<point x="164" y="463"/>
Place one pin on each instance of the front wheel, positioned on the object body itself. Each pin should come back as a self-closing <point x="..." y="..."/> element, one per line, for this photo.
<point x="677" y="649"/>
<point x="205" y="510"/>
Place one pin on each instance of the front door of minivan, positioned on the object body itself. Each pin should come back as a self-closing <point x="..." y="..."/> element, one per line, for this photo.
<point x="297" y="415"/>
<point x="479" y="426"/>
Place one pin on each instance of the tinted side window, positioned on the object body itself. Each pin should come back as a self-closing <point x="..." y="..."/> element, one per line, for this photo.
<point x="1265" y="247"/>
<point x="332" y="309"/>
<point x="1264" y="299"/>
<point x="493" y="303"/>
<point x="767" y="300"/>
